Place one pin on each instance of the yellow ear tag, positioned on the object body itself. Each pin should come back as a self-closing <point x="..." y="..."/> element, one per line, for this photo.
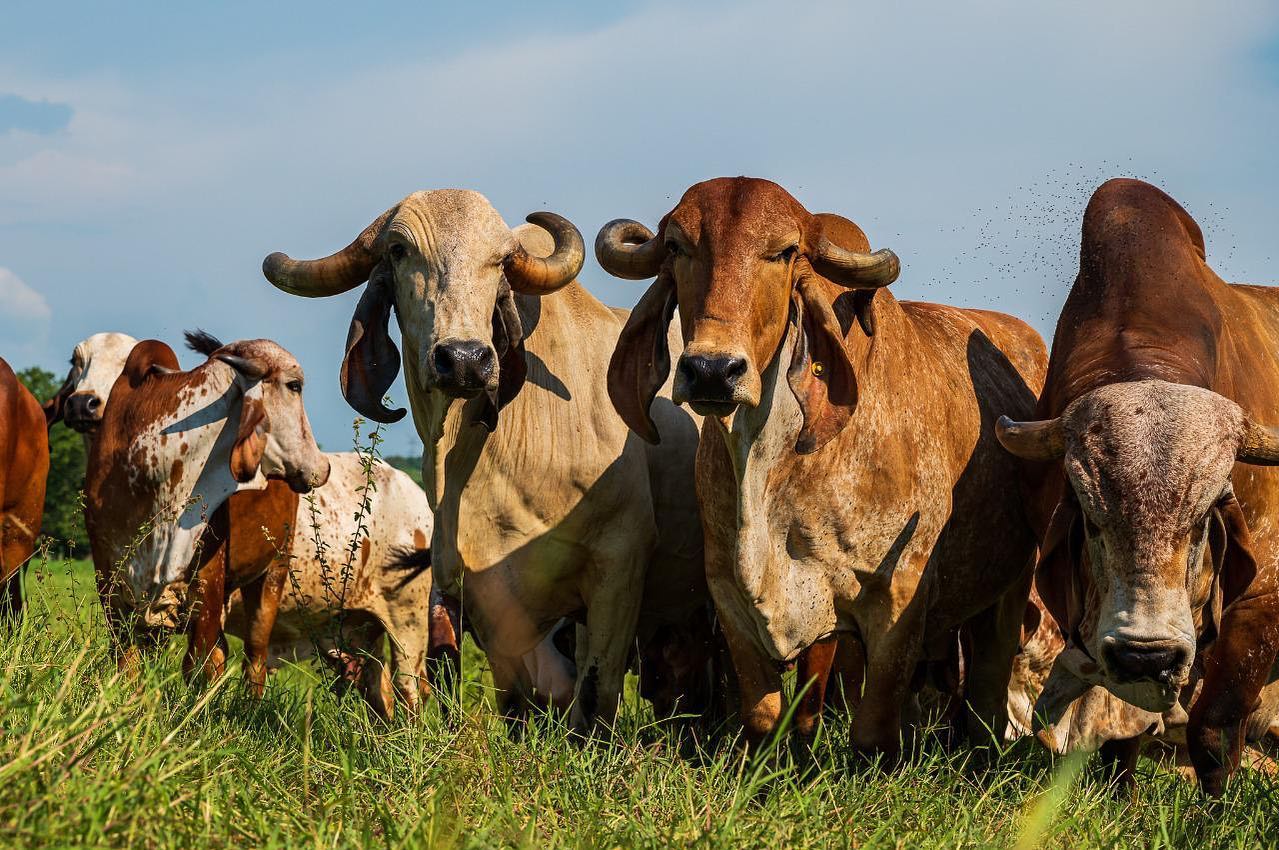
<point x="817" y="368"/>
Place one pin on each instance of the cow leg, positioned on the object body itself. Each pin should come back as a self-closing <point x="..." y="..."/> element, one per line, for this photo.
<point x="848" y="673"/>
<point x="444" y="652"/>
<point x="892" y="656"/>
<point x="409" y="648"/>
<point x="375" y="679"/>
<point x="994" y="635"/>
<point x="206" y="645"/>
<point x="1236" y="667"/>
<point x="11" y="597"/>
<point x="512" y="700"/>
<point x="611" y="617"/>
<point x="813" y="671"/>
<point x="17" y="543"/>
<point x="261" y="602"/>
<point x="759" y="686"/>
<point x="1119" y="762"/>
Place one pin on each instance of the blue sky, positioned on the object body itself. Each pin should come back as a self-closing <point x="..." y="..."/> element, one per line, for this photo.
<point x="150" y="156"/>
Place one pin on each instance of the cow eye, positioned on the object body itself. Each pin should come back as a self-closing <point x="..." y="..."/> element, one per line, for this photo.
<point x="295" y="386"/>
<point x="784" y="255"/>
<point x="398" y="251"/>
<point x="675" y="249"/>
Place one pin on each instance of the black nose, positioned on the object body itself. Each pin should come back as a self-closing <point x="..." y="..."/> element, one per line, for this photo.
<point x="84" y="407"/>
<point x="711" y="378"/>
<point x="463" y="366"/>
<point x="1160" y="661"/>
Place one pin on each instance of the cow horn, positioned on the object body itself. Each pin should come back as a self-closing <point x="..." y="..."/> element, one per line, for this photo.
<point x="1041" y="440"/>
<point x="855" y="269"/>
<point x="330" y="275"/>
<point x="1259" y="444"/>
<point x="628" y="249"/>
<point x="251" y="369"/>
<point x="543" y="275"/>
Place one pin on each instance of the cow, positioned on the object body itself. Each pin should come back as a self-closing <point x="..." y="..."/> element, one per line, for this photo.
<point x="545" y="507"/>
<point x="170" y="449"/>
<point x="336" y="603"/>
<point x="1151" y="493"/>
<point x="24" y="470"/>
<point x="848" y="472"/>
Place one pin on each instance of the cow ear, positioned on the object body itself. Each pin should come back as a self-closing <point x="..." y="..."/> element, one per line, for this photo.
<point x="512" y="369"/>
<point x="642" y="359"/>
<point x="1239" y="564"/>
<point x="1056" y="576"/>
<point x="372" y="360"/>
<point x="820" y="375"/>
<point x="250" y="441"/>
<point x="55" y="407"/>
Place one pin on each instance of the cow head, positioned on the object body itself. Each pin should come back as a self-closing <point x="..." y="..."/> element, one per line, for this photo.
<point x="448" y="264"/>
<point x="273" y="437"/>
<point x="1148" y="532"/>
<point x="95" y="364"/>
<point x="740" y="258"/>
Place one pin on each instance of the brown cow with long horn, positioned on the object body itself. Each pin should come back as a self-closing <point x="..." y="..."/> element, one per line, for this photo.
<point x="1154" y="501"/>
<point x="848" y="472"/>
<point x="544" y="506"/>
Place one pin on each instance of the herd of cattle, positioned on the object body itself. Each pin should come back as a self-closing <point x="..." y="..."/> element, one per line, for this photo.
<point x="913" y="504"/>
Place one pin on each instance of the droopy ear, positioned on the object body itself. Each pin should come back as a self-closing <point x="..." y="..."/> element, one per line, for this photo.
<point x="820" y="375"/>
<point x="642" y="360"/>
<point x="512" y="369"/>
<point x="372" y="360"/>
<point x="250" y="441"/>
<point x="1057" y="575"/>
<point x="1239" y="566"/>
<point x="54" y="407"/>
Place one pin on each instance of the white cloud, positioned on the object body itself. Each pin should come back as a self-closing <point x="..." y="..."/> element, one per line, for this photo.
<point x="24" y="321"/>
<point x="19" y="301"/>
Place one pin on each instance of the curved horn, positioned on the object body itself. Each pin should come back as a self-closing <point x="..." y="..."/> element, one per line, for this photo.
<point x="330" y="275"/>
<point x="251" y="369"/>
<point x="1041" y="440"/>
<point x="543" y="275"/>
<point x="1259" y="444"/>
<point x="854" y="269"/>
<point x="629" y="250"/>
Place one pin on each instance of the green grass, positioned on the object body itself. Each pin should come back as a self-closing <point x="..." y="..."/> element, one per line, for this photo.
<point x="90" y="758"/>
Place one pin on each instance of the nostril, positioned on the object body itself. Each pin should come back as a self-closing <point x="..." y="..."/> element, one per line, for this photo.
<point x="94" y="403"/>
<point x="692" y="368"/>
<point x="443" y="360"/>
<point x="734" y="368"/>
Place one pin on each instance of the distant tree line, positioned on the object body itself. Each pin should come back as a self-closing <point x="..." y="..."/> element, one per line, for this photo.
<point x="407" y="463"/>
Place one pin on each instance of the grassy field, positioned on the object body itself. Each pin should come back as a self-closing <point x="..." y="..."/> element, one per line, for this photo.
<point x="89" y="758"/>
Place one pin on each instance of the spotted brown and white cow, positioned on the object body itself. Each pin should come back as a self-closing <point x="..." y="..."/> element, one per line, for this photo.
<point x="848" y="471"/>
<point x="24" y="469"/>
<point x="325" y="565"/>
<point x="1154" y="499"/>
<point x="171" y="448"/>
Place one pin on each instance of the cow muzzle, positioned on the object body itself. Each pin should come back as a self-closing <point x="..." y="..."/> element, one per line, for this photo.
<point x="463" y="368"/>
<point x="712" y="384"/>
<point x="83" y="412"/>
<point x="304" y="481"/>
<point x="1166" y="662"/>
